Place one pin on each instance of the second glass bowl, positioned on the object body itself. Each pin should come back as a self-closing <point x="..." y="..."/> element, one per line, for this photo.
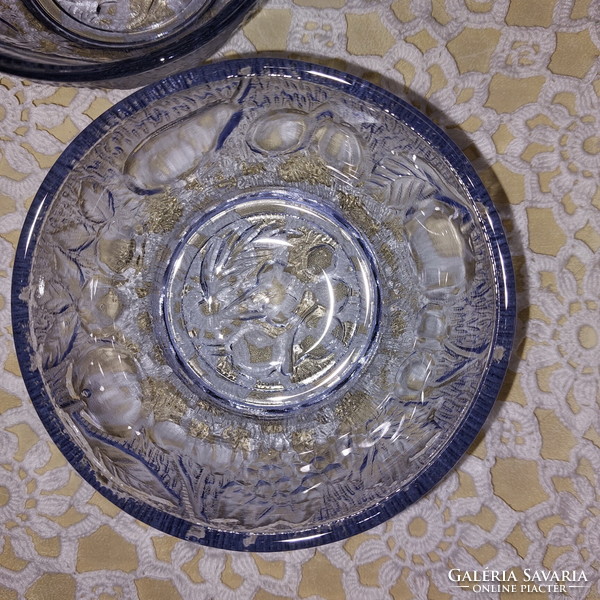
<point x="114" y="44"/>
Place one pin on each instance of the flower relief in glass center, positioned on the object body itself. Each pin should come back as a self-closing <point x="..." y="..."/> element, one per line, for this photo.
<point x="271" y="301"/>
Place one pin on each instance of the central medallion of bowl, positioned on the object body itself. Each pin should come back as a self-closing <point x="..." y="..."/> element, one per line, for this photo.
<point x="269" y="302"/>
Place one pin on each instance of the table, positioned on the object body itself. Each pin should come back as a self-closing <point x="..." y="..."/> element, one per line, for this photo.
<point x="515" y="84"/>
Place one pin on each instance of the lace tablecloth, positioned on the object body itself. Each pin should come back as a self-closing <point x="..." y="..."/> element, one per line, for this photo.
<point x="515" y="84"/>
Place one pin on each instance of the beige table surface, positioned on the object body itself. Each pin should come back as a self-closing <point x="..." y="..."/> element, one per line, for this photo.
<point x="515" y="84"/>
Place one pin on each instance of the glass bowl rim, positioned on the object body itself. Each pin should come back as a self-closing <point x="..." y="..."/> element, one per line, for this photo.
<point x="480" y="404"/>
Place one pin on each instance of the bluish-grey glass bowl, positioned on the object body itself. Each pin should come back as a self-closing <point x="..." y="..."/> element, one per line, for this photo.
<point x="114" y="44"/>
<point x="263" y="305"/>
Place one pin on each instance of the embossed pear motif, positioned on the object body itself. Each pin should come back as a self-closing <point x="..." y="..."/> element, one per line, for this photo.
<point x="177" y="149"/>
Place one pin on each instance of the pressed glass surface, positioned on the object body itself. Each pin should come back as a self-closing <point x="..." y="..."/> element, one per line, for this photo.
<point x="117" y="44"/>
<point x="267" y="304"/>
<point x="126" y="22"/>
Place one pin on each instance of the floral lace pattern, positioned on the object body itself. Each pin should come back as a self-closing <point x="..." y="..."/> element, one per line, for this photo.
<point x="514" y="87"/>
